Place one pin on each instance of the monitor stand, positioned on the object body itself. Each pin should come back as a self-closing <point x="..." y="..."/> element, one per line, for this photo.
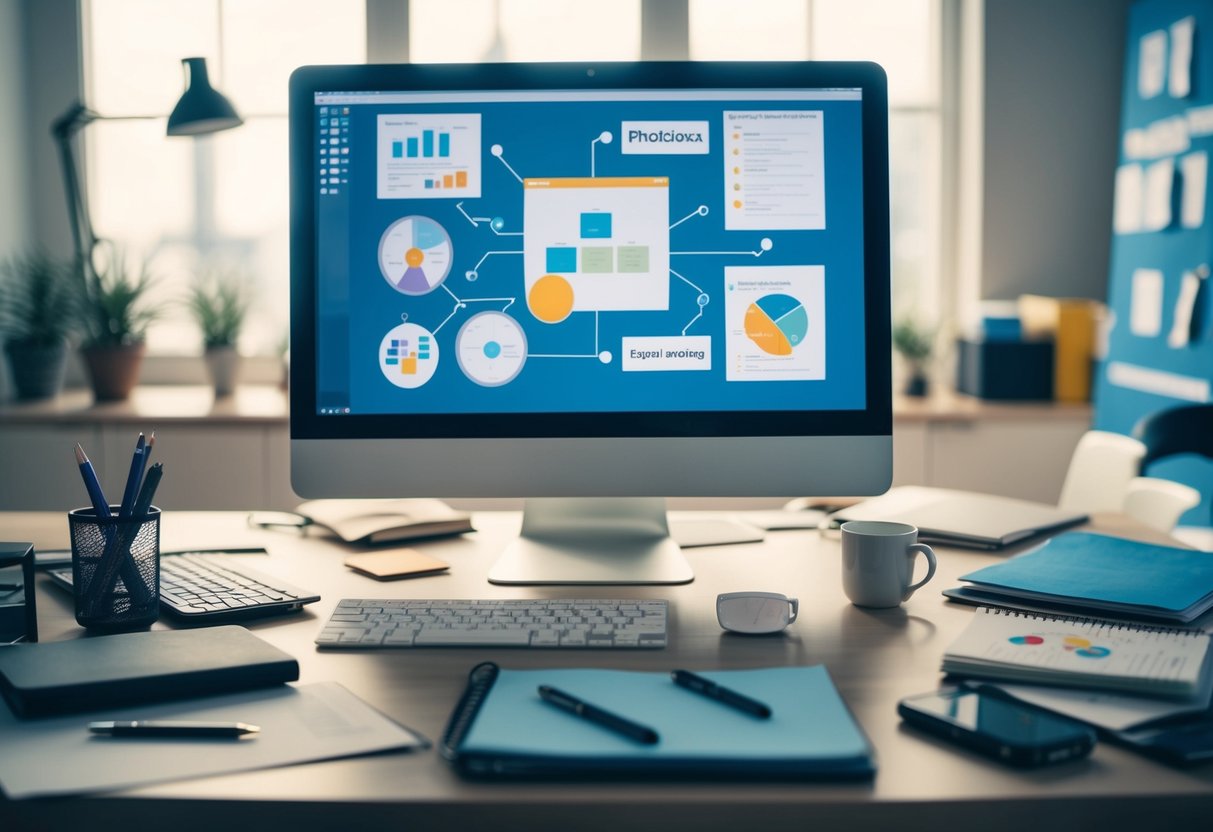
<point x="593" y="540"/>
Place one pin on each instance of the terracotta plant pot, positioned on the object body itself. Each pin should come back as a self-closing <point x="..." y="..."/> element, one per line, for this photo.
<point x="113" y="370"/>
<point x="223" y="364"/>
<point x="36" y="368"/>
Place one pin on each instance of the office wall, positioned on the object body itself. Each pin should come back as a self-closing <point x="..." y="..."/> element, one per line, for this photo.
<point x="52" y="38"/>
<point x="15" y="225"/>
<point x="40" y="60"/>
<point x="1050" y="103"/>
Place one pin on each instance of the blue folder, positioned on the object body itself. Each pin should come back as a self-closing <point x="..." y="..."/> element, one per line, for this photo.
<point x="502" y="727"/>
<point x="1102" y="574"/>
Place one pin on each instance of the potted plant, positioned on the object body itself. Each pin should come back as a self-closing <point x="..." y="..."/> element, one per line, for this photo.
<point x="39" y="311"/>
<point x="219" y="304"/>
<point x="914" y="343"/>
<point x="116" y="320"/>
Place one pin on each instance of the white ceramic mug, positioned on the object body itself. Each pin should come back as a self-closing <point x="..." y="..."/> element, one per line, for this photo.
<point x="878" y="562"/>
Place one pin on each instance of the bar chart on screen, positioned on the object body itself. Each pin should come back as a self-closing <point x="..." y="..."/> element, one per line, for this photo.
<point x="428" y="156"/>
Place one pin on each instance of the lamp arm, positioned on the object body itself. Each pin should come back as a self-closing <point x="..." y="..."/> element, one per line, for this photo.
<point x="64" y="130"/>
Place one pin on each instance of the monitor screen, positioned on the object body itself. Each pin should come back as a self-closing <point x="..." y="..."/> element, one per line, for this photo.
<point x="625" y="263"/>
<point x="589" y="251"/>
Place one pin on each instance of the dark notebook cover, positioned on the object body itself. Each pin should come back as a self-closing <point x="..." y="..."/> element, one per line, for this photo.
<point x="92" y="673"/>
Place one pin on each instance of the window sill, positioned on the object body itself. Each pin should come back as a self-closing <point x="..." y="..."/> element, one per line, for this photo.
<point x="152" y="404"/>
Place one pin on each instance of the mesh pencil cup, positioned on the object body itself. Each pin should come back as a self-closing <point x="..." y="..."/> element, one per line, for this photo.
<point x="115" y="569"/>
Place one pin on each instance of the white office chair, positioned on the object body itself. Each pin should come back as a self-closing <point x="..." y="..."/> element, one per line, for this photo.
<point x="1158" y="503"/>
<point x="1099" y="473"/>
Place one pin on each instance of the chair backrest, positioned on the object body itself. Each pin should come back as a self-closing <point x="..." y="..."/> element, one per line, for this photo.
<point x="1159" y="503"/>
<point x="1177" y="430"/>
<point x="1099" y="472"/>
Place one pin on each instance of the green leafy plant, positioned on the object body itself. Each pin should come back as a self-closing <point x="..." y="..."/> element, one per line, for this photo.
<point x="219" y="304"/>
<point x="118" y="312"/>
<point x="913" y="342"/>
<point x="39" y="300"/>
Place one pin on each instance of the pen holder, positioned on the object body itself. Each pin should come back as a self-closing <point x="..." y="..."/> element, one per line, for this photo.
<point x="115" y="569"/>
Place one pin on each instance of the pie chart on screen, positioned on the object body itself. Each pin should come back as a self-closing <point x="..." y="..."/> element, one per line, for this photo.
<point x="776" y="323"/>
<point x="415" y="255"/>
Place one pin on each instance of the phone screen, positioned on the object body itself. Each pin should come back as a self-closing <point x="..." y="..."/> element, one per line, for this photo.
<point x="1003" y="719"/>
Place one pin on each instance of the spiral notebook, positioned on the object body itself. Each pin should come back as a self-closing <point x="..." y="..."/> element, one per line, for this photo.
<point x="1082" y="652"/>
<point x="502" y="728"/>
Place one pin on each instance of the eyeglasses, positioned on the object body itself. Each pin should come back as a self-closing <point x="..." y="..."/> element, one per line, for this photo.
<point x="755" y="612"/>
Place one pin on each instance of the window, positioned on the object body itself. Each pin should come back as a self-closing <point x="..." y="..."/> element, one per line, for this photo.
<point x="903" y="36"/>
<point x="222" y="201"/>
<point x="215" y="202"/>
<point x="523" y="30"/>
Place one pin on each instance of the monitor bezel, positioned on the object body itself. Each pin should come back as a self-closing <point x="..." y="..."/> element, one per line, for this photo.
<point x="875" y="419"/>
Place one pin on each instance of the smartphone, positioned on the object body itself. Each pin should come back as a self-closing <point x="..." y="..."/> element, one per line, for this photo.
<point x="997" y="726"/>
<point x="1183" y="744"/>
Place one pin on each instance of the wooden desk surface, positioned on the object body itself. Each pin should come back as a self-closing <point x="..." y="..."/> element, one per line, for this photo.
<point x="875" y="658"/>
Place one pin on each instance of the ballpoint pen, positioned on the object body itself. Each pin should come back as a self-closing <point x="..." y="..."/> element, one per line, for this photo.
<point x="592" y="713"/>
<point x="172" y="728"/>
<point x="133" y="478"/>
<point x="101" y="506"/>
<point x="725" y="696"/>
<point x="150" y="483"/>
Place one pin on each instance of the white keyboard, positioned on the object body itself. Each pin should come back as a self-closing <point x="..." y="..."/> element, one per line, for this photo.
<point x="571" y="622"/>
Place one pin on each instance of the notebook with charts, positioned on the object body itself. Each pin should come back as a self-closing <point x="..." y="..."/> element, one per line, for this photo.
<point x="1082" y="652"/>
<point x="502" y="727"/>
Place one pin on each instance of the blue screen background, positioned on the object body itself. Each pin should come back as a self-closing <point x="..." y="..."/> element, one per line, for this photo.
<point x="552" y="139"/>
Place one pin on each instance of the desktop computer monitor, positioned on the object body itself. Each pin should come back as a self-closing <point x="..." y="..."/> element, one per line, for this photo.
<point x="592" y="286"/>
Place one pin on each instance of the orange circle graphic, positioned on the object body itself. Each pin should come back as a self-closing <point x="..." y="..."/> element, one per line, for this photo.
<point x="551" y="299"/>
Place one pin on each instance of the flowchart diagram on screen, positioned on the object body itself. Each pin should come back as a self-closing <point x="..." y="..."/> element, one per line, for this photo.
<point x="592" y="246"/>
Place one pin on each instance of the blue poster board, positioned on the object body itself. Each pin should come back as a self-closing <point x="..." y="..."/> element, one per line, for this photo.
<point x="1162" y="231"/>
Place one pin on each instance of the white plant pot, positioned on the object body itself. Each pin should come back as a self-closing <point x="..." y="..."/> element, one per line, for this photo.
<point x="223" y="364"/>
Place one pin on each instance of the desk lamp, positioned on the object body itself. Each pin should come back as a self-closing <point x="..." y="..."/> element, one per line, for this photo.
<point x="201" y="110"/>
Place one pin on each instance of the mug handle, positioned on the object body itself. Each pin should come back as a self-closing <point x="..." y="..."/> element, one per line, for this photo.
<point x="926" y="550"/>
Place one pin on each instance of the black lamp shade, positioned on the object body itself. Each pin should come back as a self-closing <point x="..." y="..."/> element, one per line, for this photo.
<point x="202" y="109"/>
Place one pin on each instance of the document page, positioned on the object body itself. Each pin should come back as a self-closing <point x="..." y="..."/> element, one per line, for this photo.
<point x="298" y="724"/>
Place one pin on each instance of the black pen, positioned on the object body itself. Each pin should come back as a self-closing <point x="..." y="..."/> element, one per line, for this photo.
<point x="172" y="728"/>
<point x="698" y="684"/>
<point x="591" y="713"/>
